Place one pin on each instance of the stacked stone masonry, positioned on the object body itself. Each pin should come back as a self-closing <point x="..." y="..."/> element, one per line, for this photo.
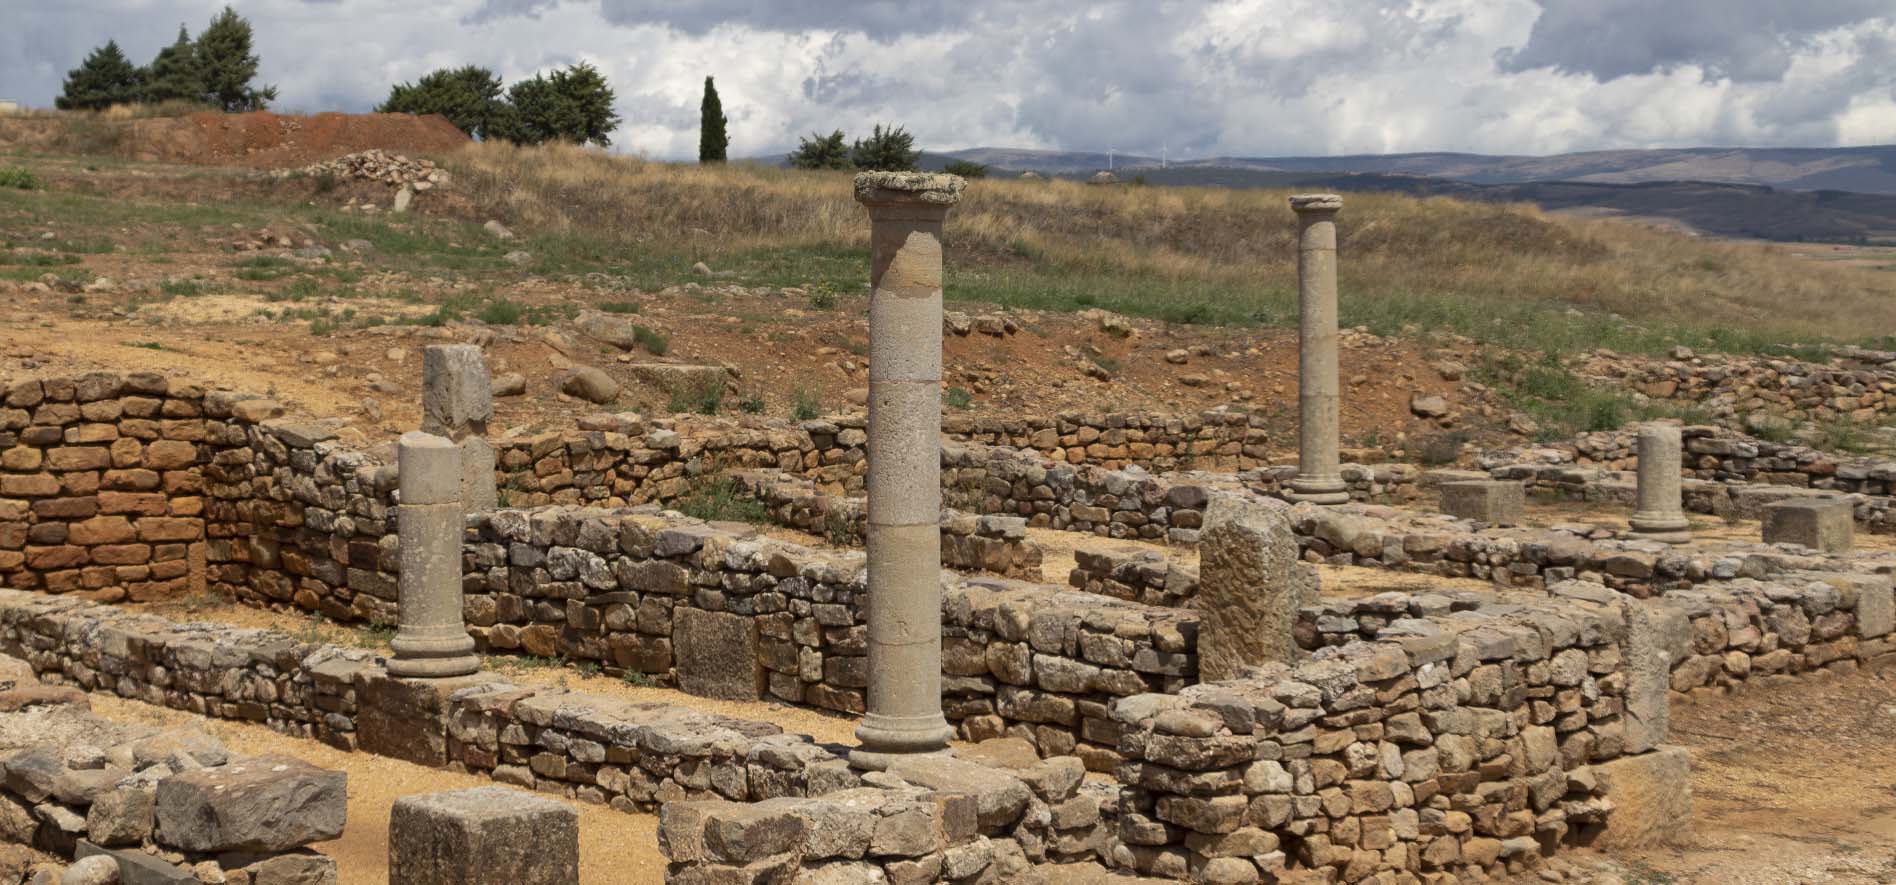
<point x="156" y="805"/>
<point x="1856" y="385"/>
<point x="1727" y="473"/>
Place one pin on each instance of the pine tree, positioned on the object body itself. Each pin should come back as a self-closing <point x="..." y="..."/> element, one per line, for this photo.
<point x="821" y="152"/>
<point x="227" y="65"/>
<point x="887" y="150"/>
<point x="104" y="79"/>
<point x="469" y="96"/>
<point x="174" y="74"/>
<point x="573" y="104"/>
<point x="712" y="139"/>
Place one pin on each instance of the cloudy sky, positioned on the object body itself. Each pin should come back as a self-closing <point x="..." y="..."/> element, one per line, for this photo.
<point x="1204" y="77"/>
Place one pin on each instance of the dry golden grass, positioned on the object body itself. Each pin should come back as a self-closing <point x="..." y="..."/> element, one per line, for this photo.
<point x="1222" y="255"/>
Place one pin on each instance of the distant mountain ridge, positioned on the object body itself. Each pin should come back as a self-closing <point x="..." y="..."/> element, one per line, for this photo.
<point x="1868" y="170"/>
<point x="1838" y="195"/>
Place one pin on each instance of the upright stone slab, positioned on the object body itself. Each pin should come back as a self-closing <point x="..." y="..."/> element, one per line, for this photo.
<point x="1319" y="478"/>
<point x="1654" y="628"/>
<point x="906" y="211"/>
<point x="1652" y="800"/>
<point x="1250" y="585"/>
<point x="432" y="639"/>
<point x="717" y="654"/>
<point x="457" y="401"/>
<point x="1827" y="525"/>
<point x="483" y="836"/>
<point x="1491" y="501"/>
<point x="1661" y="513"/>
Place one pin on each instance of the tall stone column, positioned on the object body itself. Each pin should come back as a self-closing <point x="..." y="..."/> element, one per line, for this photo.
<point x="1660" y="515"/>
<point x="431" y="640"/>
<point x="906" y="210"/>
<point x="457" y="401"/>
<point x="1319" y="478"/>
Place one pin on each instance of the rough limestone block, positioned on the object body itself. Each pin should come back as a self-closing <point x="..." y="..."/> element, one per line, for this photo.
<point x="1876" y="605"/>
<point x="456" y="396"/>
<point x="717" y="655"/>
<point x="135" y="867"/>
<point x="407" y="719"/>
<point x="1250" y="585"/>
<point x="483" y="836"/>
<point x="1824" y="524"/>
<point x="1652" y="799"/>
<point x="1491" y="501"/>
<point x="1654" y="631"/>
<point x="267" y="803"/>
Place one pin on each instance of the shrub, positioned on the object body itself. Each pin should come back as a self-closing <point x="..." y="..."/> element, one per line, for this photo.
<point x="957" y="397"/>
<point x="806" y="403"/>
<point x="966" y="169"/>
<point x="704" y="398"/>
<point x="18" y="178"/>
<point x="654" y="343"/>
<point x="503" y="312"/>
<point x="822" y="296"/>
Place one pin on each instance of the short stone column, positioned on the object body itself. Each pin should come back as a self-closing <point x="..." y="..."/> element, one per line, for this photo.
<point x="1319" y="478"/>
<point x="1660" y="515"/>
<point x="457" y="401"/>
<point x="906" y="211"/>
<point x="483" y="836"/>
<point x="1251" y="581"/>
<point x="432" y="639"/>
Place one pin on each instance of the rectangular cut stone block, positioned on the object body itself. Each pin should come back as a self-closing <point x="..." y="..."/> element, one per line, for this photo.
<point x="1250" y="585"/>
<point x="1825" y="524"/>
<point x="483" y="836"/>
<point x="1492" y="501"/>
<point x="266" y="803"/>
<point x="407" y="719"/>
<point x="717" y="655"/>
<point x="1652" y="799"/>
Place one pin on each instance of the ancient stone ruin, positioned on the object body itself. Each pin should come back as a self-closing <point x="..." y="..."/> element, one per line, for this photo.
<point x="1193" y="704"/>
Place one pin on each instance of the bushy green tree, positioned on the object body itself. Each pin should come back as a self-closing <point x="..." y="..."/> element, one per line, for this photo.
<point x="573" y="104"/>
<point x="712" y="138"/>
<point x="821" y="152"/>
<point x="966" y="169"/>
<point x="469" y="96"/>
<point x="228" y="66"/>
<point x="886" y="150"/>
<point x="174" y="74"/>
<point x="105" y="78"/>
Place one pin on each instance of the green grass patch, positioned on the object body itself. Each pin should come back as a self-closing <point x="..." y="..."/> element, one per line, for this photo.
<point x="957" y="397"/>
<point x="806" y="403"/>
<point x="18" y="178"/>
<point x="653" y="342"/>
<point x="716" y="499"/>
<point x="705" y="398"/>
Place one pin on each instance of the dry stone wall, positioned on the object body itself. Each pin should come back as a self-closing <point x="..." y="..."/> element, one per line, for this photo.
<point x="1857" y="385"/>
<point x="155" y="805"/>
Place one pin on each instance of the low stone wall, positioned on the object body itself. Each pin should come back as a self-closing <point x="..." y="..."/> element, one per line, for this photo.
<point x="1451" y="745"/>
<point x="994" y="544"/>
<point x="1217" y="439"/>
<point x="985" y="814"/>
<point x="1719" y="633"/>
<point x="1857" y="385"/>
<point x="157" y="805"/>
<point x="99" y="484"/>
<point x="1142" y="576"/>
<point x="1735" y="474"/>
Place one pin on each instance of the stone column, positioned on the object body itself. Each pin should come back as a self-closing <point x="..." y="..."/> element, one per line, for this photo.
<point x="457" y="401"/>
<point x="432" y="639"/>
<point x="1660" y="515"/>
<point x="1319" y="479"/>
<point x="906" y="210"/>
<point x="1251" y="582"/>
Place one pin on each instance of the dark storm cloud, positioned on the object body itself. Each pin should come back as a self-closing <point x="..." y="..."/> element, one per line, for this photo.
<point x="1750" y="41"/>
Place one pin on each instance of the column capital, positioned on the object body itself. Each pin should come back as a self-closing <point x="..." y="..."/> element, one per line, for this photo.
<point x="1303" y="203"/>
<point x="919" y="189"/>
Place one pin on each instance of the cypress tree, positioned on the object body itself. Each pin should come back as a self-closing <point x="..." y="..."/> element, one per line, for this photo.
<point x="104" y="79"/>
<point x="712" y="139"/>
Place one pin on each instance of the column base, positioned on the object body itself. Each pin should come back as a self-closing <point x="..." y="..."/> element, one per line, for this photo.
<point x="888" y="738"/>
<point x="1669" y="528"/>
<point x="431" y="657"/>
<point x="434" y="668"/>
<point x="1318" y="490"/>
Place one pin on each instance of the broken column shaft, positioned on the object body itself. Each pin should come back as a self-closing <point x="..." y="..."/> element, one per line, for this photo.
<point x="457" y="401"/>
<point x="431" y="639"/>
<point x="1660" y="515"/>
<point x="1319" y="478"/>
<point x="906" y="210"/>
